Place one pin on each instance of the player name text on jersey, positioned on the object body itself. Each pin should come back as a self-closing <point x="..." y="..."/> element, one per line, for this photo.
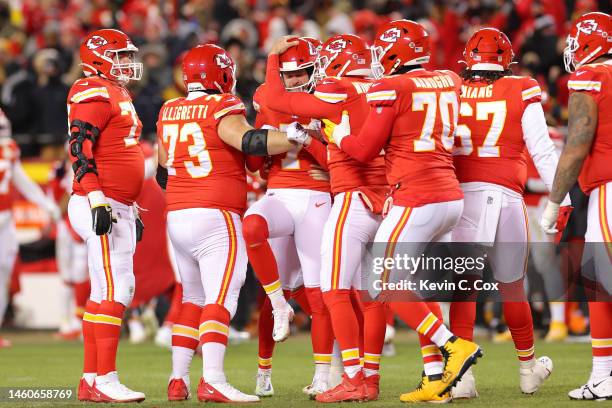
<point x="439" y="81"/>
<point x="473" y="92"/>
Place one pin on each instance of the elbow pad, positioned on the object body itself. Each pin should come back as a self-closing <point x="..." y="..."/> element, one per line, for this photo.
<point x="161" y="176"/>
<point x="255" y="142"/>
<point x="79" y="132"/>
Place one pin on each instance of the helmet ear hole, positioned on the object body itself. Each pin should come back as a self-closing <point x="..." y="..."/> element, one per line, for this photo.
<point x="392" y="57"/>
<point x="224" y="77"/>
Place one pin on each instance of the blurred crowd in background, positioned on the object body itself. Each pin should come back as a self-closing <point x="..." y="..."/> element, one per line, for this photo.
<point x="39" y="41"/>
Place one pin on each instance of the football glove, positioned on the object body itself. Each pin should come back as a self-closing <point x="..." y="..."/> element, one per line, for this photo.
<point x="554" y="218"/>
<point x="101" y="213"/>
<point x="297" y="134"/>
<point x="335" y="132"/>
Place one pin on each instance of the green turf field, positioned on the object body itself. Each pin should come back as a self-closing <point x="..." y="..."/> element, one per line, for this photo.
<point x="36" y="360"/>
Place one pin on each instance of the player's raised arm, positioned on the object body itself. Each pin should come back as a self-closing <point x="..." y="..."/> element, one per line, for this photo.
<point x="235" y="131"/>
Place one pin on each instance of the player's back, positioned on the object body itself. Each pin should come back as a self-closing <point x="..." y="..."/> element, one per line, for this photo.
<point x="348" y="174"/>
<point x="418" y="152"/>
<point x="596" y="80"/>
<point x="490" y="146"/>
<point x="203" y="171"/>
<point x="119" y="158"/>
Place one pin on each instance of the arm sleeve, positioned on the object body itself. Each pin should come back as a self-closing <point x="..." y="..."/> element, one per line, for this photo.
<point x="29" y="189"/>
<point x="373" y="135"/>
<point x="97" y="113"/>
<point x="541" y="149"/>
<point x="293" y="103"/>
<point x="319" y="151"/>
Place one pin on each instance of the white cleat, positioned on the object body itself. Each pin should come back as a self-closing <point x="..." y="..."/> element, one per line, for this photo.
<point x="594" y="390"/>
<point x="282" y="317"/>
<point x="318" y="386"/>
<point x="532" y="378"/>
<point x="263" y="387"/>
<point x="222" y="392"/>
<point x="466" y="387"/>
<point x="114" y="391"/>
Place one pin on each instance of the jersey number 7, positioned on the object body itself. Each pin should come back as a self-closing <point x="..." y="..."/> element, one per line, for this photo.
<point x="175" y="136"/>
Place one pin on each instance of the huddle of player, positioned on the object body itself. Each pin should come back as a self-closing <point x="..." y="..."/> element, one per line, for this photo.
<point x="442" y="156"/>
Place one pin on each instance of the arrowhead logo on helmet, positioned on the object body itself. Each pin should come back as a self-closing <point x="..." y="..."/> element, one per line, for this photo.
<point x="391" y="35"/>
<point x="95" y="42"/>
<point x="336" y="45"/>
<point x="587" y="26"/>
<point x="223" y="61"/>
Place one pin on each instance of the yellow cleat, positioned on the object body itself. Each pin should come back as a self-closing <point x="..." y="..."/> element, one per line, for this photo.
<point x="503" y="337"/>
<point x="460" y="354"/>
<point x="556" y="332"/>
<point x="427" y="391"/>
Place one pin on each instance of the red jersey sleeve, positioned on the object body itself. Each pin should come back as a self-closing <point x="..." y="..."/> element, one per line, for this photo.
<point x="530" y="92"/>
<point x="319" y="151"/>
<point x="381" y="94"/>
<point x="330" y="90"/>
<point x="586" y="80"/>
<point x="228" y="105"/>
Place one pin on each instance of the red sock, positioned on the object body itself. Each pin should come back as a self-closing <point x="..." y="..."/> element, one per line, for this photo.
<point x="322" y="334"/>
<point x="301" y="298"/>
<point x="601" y="328"/>
<point x="175" y="304"/>
<point x="462" y="319"/>
<point x="412" y="313"/>
<point x="266" y="343"/>
<point x="185" y="329"/>
<point x="389" y="315"/>
<point x="89" y="337"/>
<point x="81" y="296"/>
<point x="261" y="257"/>
<point x="374" y="326"/>
<point x="345" y="324"/>
<point x="359" y="314"/>
<point x="433" y="362"/>
<point x="518" y="318"/>
<point x="108" y="330"/>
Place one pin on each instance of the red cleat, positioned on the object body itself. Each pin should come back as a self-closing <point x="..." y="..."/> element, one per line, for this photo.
<point x="372" y="387"/>
<point x="84" y="392"/>
<point x="178" y="390"/>
<point x="222" y="392"/>
<point x="350" y="389"/>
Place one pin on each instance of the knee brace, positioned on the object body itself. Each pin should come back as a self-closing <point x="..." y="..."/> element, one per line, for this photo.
<point x="255" y="229"/>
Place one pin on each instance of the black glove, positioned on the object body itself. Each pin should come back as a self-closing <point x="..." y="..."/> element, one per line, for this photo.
<point x="139" y="229"/>
<point x="161" y="176"/>
<point x="102" y="217"/>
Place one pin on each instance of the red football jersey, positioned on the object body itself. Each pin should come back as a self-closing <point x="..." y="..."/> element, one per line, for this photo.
<point x="596" y="80"/>
<point x="118" y="156"/>
<point x="489" y="145"/>
<point x="349" y="94"/>
<point x="288" y="170"/>
<point x="9" y="153"/>
<point x="203" y="171"/>
<point x="418" y="151"/>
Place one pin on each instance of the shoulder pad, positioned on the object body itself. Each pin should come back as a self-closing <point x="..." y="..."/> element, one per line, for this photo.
<point x="584" y="79"/>
<point x="331" y="90"/>
<point x="88" y="90"/>
<point x="381" y="94"/>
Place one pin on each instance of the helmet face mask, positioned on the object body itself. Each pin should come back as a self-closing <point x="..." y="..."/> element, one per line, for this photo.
<point x="124" y="72"/>
<point x="302" y="56"/>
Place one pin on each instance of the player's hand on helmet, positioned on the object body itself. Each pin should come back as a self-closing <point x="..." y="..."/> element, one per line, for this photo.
<point x="283" y="44"/>
<point x="296" y="133"/>
<point x="101" y="213"/>
<point x="335" y="132"/>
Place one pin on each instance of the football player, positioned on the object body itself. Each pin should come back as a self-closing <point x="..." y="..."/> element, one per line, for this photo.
<point x="413" y="116"/>
<point x="108" y="166"/>
<point x="359" y="192"/>
<point x="500" y="115"/>
<point x="283" y="229"/>
<point x="12" y="174"/>
<point x="586" y="158"/>
<point x="204" y="139"/>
